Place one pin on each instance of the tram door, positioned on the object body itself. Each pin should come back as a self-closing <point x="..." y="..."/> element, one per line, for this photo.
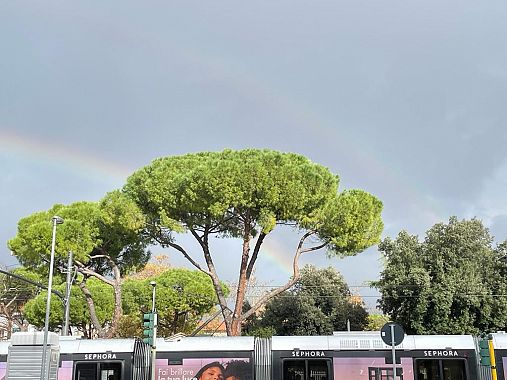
<point x="98" y="371"/>
<point x="311" y="369"/>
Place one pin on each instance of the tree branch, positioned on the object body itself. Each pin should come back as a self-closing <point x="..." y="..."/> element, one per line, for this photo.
<point x="188" y="257"/>
<point x="315" y="248"/>
<point x="255" y="253"/>
<point x="83" y="269"/>
<point x="295" y="276"/>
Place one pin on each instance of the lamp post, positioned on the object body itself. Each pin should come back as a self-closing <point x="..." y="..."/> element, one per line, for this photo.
<point x="154" y="346"/>
<point x="45" y="372"/>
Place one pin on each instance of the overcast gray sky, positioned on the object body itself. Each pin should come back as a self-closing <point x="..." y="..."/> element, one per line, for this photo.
<point x="404" y="99"/>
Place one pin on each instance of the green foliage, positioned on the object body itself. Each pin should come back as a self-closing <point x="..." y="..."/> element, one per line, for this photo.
<point x="182" y="297"/>
<point x="376" y="321"/>
<point x="129" y="326"/>
<point x="107" y="239"/>
<point x="259" y="331"/>
<point x="112" y="226"/>
<point x="78" y="234"/>
<point x="350" y="222"/>
<point x="220" y="189"/>
<point x="194" y="187"/>
<point x="35" y="309"/>
<point x="445" y="284"/>
<point x="319" y="303"/>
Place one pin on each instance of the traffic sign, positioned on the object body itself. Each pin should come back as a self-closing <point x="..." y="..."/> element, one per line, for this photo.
<point x="386" y="333"/>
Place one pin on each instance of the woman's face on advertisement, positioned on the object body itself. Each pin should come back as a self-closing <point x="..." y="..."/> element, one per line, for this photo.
<point x="212" y="373"/>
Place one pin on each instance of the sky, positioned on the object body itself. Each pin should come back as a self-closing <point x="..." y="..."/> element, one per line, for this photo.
<point x="403" y="99"/>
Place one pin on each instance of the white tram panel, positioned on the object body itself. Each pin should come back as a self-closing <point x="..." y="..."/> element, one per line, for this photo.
<point x="205" y="344"/>
<point x="339" y="341"/>
<point x="371" y="341"/>
<point x="4" y="347"/>
<point x="499" y="340"/>
<point x="92" y="346"/>
<point x="291" y="343"/>
<point x="442" y="342"/>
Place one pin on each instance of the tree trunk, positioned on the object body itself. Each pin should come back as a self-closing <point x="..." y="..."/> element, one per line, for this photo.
<point x="115" y="283"/>
<point x="242" y="283"/>
<point x="118" y="309"/>
<point x="91" y="307"/>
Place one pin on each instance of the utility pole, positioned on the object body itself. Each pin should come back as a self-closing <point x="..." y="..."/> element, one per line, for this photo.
<point x="65" y="330"/>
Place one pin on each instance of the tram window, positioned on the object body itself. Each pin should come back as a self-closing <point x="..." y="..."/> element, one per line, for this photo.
<point x="86" y="371"/>
<point x="453" y="369"/>
<point x="110" y="371"/>
<point x="317" y="370"/>
<point x="376" y="373"/>
<point x="305" y="370"/>
<point x="427" y="369"/>
<point x="98" y="371"/>
<point x="294" y="370"/>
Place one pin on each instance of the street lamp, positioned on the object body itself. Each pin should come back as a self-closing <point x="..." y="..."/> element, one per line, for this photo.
<point x="154" y="345"/>
<point x="45" y="373"/>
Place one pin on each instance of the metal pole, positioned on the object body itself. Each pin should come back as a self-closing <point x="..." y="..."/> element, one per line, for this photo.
<point x="154" y="346"/>
<point x="65" y="330"/>
<point x="394" y="351"/>
<point x="45" y="372"/>
<point x="153" y="308"/>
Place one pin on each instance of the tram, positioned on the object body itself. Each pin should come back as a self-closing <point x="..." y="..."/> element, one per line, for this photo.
<point x="342" y="356"/>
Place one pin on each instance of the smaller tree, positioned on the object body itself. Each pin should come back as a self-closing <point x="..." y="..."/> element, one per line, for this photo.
<point x="103" y="296"/>
<point x="318" y="304"/>
<point x="107" y="239"/>
<point x="14" y="293"/>
<point x="183" y="296"/>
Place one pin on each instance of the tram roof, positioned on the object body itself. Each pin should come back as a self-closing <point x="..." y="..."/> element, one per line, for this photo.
<point x="339" y="341"/>
<point x="499" y="340"/>
<point x="77" y="346"/>
<point x="370" y="341"/>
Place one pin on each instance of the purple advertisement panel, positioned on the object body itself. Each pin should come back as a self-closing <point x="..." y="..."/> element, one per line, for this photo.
<point x="360" y="368"/>
<point x="504" y="362"/>
<point x="65" y="371"/>
<point x="205" y="369"/>
<point x="3" y="369"/>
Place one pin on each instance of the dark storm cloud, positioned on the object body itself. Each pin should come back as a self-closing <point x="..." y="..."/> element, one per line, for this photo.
<point x="404" y="99"/>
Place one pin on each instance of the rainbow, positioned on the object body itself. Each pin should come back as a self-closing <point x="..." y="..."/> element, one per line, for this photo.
<point x="275" y="254"/>
<point x="254" y="89"/>
<point x="248" y="85"/>
<point x="66" y="158"/>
